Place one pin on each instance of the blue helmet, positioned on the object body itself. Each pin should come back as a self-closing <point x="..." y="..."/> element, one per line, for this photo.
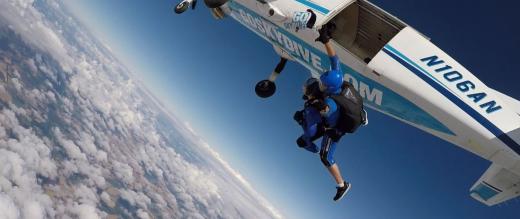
<point x="331" y="82"/>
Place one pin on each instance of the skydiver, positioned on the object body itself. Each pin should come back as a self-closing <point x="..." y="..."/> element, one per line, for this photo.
<point x="309" y="118"/>
<point x="317" y="120"/>
<point x="321" y="115"/>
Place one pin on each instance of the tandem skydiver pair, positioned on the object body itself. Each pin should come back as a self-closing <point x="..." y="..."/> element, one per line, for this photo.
<point x="332" y="108"/>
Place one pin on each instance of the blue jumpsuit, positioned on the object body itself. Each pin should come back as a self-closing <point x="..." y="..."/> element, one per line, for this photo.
<point x="313" y="120"/>
<point x="311" y="126"/>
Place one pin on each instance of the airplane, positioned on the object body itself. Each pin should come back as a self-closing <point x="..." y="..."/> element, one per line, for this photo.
<point x="399" y="72"/>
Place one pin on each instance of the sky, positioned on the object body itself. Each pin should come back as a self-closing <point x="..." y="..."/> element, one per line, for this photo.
<point x="205" y="70"/>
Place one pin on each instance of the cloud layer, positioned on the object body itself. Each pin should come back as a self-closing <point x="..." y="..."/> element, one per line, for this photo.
<point x="79" y="138"/>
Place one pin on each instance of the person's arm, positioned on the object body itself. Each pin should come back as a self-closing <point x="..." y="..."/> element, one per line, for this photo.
<point x="330" y="50"/>
<point x="334" y="60"/>
<point x="324" y="37"/>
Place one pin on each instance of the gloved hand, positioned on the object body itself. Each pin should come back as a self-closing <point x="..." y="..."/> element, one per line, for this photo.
<point x="324" y="36"/>
<point x="318" y="104"/>
<point x="298" y="117"/>
<point x="326" y="33"/>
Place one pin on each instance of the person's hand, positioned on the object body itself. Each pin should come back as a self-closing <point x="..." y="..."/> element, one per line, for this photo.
<point x="324" y="35"/>
<point x="319" y="105"/>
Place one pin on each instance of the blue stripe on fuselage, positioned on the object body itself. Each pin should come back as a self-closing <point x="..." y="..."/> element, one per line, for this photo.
<point x="390" y="103"/>
<point x="314" y="6"/>
<point x="402" y="59"/>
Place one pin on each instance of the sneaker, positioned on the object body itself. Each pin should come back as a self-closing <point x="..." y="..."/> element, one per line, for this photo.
<point x="342" y="191"/>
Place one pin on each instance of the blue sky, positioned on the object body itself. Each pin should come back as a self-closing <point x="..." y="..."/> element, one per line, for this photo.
<point x="205" y="70"/>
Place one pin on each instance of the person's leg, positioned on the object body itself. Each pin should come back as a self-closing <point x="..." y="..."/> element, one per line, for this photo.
<point x="328" y="147"/>
<point x="312" y="130"/>
<point x="327" y="157"/>
<point x="334" y="171"/>
<point x="307" y="143"/>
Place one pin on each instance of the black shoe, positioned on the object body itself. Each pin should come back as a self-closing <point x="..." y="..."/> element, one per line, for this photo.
<point x="342" y="191"/>
<point x="299" y="117"/>
<point x="300" y="142"/>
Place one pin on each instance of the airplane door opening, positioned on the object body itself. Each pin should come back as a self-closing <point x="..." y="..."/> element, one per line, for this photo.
<point x="364" y="29"/>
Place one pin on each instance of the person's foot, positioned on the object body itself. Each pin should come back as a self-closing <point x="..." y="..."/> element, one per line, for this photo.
<point x="309" y="147"/>
<point x="299" y="117"/>
<point x="342" y="191"/>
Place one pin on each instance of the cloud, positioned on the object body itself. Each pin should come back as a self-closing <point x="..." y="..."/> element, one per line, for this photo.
<point x="84" y="211"/>
<point x="82" y="139"/>
<point x="142" y="214"/>
<point x="8" y="208"/>
<point x="34" y="210"/>
<point x="24" y="19"/>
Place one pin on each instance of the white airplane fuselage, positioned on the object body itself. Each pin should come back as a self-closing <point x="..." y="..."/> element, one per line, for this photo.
<point x="400" y="73"/>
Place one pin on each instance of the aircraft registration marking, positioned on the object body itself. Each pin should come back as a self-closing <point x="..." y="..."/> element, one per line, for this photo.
<point x="478" y="117"/>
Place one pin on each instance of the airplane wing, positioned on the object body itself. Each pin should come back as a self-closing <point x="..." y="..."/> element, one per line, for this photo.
<point x="497" y="185"/>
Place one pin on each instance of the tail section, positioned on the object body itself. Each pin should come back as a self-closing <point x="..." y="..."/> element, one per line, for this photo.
<point x="514" y="105"/>
<point x="497" y="185"/>
<point x="511" y="102"/>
